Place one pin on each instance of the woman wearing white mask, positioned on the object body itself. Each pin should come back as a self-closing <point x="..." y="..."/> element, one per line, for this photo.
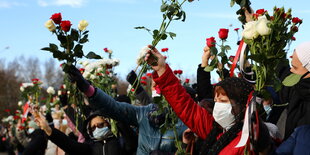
<point x="221" y="130"/>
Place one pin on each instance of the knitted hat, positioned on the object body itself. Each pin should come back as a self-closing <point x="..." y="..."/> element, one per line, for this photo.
<point x="237" y="89"/>
<point x="303" y="54"/>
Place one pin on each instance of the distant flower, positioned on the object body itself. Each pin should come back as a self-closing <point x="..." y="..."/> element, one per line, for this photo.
<point x="50" y="90"/>
<point x="20" y="103"/>
<point x="236" y="29"/>
<point x="180" y="71"/>
<point x="7" y="110"/>
<point x="149" y="74"/>
<point x="164" y="49"/>
<point x="293" y="38"/>
<point x="143" y="78"/>
<point x="186" y="80"/>
<point x="296" y="20"/>
<point x="294" y="28"/>
<point x="82" y="70"/>
<point x="143" y="82"/>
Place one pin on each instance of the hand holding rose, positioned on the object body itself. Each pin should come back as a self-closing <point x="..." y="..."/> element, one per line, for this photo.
<point x="205" y="56"/>
<point x="160" y="65"/>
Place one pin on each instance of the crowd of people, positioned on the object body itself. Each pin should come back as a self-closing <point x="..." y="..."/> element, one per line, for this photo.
<point x="210" y="117"/>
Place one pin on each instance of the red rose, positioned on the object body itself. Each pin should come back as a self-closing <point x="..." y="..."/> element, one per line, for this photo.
<point x="149" y="74"/>
<point x="283" y="15"/>
<point x="65" y="25"/>
<point x="294" y="28"/>
<point x="106" y="50"/>
<point x="108" y="66"/>
<point x="99" y="74"/>
<point x="211" y="42"/>
<point x="164" y="49"/>
<point x="56" y="18"/>
<point x="260" y="11"/>
<point x="180" y="71"/>
<point x="132" y="89"/>
<point x="35" y="80"/>
<point x="296" y="20"/>
<point x="82" y="70"/>
<point x="223" y="33"/>
<point x="16" y="117"/>
<point x="21" y="127"/>
<point x="293" y="38"/>
<point x="271" y="18"/>
<point x="176" y="72"/>
<point x="165" y="57"/>
<point x="236" y="29"/>
<point x="143" y="82"/>
<point x="143" y="78"/>
<point x="107" y="72"/>
<point x="186" y="80"/>
<point x="255" y="15"/>
<point x="231" y="58"/>
<point x="7" y="110"/>
<point x="16" y="112"/>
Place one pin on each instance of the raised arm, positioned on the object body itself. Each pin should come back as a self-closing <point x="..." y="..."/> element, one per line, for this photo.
<point x="204" y="87"/>
<point x="194" y="116"/>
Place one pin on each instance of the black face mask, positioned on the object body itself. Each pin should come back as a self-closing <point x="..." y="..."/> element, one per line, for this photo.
<point x="156" y="118"/>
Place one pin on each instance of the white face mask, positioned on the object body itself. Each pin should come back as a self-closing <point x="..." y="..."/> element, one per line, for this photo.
<point x="222" y="115"/>
<point x="30" y="130"/>
<point x="56" y="122"/>
<point x="64" y="122"/>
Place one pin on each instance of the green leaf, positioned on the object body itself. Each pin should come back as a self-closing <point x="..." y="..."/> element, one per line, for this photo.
<point x="164" y="37"/>
<point x="222" y="54"/>
<point x="74" y="34"/>
<point x="184" y="16"/>
<point x="163" y="7"/>
<point x="78" y="50"/>
<point x="155" y="33"/>
<point x="62" y="39"/>
<point x="46" y="49"/>
<point x="53" y="47"/>
<point x="213" y="51"/>
<point x="209" y="68"/>
<point x="291" y="80"/>
<point x="142" y="27"/>
<point x="172" y="35"/>
<point x="92" y="55"/>
<point x="85" y="32"/>
<point x="84" y="39"/>
<point x="232" y="3"/>
<point x="227" y="47"/>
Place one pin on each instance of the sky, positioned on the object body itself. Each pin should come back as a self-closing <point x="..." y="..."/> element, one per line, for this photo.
<point x="112" y="22"/>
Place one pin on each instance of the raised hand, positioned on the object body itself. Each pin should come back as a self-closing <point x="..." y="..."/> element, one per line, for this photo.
<point x="156" y="60"/>
<point x="205" y="56"/>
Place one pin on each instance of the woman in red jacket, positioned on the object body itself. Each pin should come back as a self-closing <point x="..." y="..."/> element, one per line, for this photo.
<point x="221" y="130"/>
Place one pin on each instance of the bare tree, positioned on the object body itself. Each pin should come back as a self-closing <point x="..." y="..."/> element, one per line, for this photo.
<point x="53" y="74"/>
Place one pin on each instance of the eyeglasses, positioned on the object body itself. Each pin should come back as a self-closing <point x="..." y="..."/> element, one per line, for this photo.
<point x="99" y="125"/>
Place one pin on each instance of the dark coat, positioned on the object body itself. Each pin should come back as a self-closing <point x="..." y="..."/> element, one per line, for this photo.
<point x="37" y="144"/>
<point x="297" y="143"/>
<point x="111" y="146"/>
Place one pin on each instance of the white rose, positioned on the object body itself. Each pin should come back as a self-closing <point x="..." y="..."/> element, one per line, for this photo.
<point x="249" y="31"/>
<point x="59" y="92"/>
<point x="93" y="77"/>
<point x="86" y="74"/>
<point x="64" y="86"/>
<point x="20" y="103"/>
<point x="68" y="92"/>
<point x="110" y="51"/>
<point x="50" y="25"/>
<point x="142" y="54"/>
<point x="50" y="90"/>
<point x="100" y="69"/>
<point x="82" y="25"/>
<point x="85" y="63"/>
<point x="262" y="26"/>
<point x="22" y="89"/>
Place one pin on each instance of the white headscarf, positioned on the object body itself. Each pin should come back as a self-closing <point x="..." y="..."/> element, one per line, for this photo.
<point x="303" y="54"/>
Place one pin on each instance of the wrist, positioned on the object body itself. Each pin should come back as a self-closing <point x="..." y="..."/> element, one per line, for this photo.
<point x="161" y="70"/>
<point x="205" y="63"/>
<point x="48" y="130"/>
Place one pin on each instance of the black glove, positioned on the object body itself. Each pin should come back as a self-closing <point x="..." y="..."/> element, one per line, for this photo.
<point x="63" y="99"/>
<point x="264" y="141"/>
<point x="132" y="79"/>
<point x="76" y="76"/>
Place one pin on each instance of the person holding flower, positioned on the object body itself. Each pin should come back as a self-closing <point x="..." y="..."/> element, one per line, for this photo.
<point x="230" y="98"/>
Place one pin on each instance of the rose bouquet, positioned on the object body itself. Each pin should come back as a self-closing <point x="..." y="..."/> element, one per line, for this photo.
<point x="31" y="91"/>
<point x="268" y="38"/>
<point x="71" y="40"/>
